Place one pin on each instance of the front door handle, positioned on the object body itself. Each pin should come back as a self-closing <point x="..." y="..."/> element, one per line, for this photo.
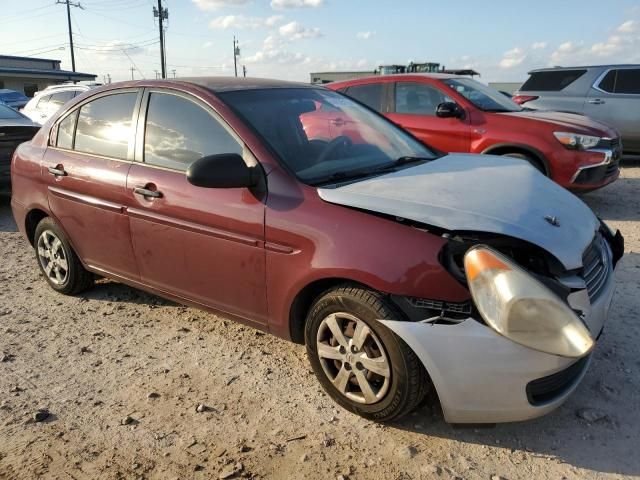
<point x="57" y="171"/>
<point x="147" y="193"/>
<point x="596" y="101"/>
<point x="338" y="122"/>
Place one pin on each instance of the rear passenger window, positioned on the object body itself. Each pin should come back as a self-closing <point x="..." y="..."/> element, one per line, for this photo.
<point x="418" y="98"/>
<point x="628" y="81"/>
<point x="179" y="131"/>
<point x="104" y="125"/>
<point x="65" y="131"/>
<point x="370" y="95"/>
<point x="552" y="80"/>
<point x="42" y="102"/>
<point x="60" y="98"/>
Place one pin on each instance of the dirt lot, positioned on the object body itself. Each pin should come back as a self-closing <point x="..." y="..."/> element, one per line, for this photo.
<point x="122" y="374"/>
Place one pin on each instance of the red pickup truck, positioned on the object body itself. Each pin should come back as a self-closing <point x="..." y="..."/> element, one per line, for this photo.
<point x="458" y="114"/>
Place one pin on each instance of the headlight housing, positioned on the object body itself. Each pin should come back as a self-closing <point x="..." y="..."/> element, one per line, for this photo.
<point x="519" y="307"/>
<point x="576" y="141"/>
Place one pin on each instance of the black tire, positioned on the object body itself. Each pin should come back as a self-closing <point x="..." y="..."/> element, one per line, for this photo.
<point x="533" y="161"/>
<point x="408" y="383"/>
<point x="75" y="278"/>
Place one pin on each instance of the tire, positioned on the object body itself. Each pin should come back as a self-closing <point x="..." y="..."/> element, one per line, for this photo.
<point x="397" y="388"/>
<point x="58" y="263"/>
<point x="534" y="162"/>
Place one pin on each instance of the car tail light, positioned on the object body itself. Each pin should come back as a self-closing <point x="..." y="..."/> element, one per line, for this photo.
<point x="522" y="99"/>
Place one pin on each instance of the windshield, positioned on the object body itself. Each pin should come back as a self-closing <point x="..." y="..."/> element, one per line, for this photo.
<point x="483" y="97"/>
<point x="11" y="96"/>
<point x="8" y="112"/>
<point x="323" y="136"/>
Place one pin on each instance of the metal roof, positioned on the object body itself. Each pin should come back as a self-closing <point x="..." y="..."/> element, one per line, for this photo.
<point x="46" y="71"/>
<point x="14" y="57"/>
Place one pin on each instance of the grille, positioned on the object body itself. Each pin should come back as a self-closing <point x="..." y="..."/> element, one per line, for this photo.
<point x="464" y="307"/>
<point x="609" y="143"/>
<point x="547" y="389"/>
<point x="596" y="262"/>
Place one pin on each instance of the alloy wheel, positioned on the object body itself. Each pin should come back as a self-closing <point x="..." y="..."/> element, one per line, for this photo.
<point x="353" y="358"/>
<point x="52" y="257"/>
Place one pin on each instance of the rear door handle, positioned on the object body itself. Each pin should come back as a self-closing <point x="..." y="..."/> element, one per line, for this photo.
<point x="338" y="122"/>
<point x="596" y="101"/>
<point x="147" y="193"/>
<point x="57" y="171"/>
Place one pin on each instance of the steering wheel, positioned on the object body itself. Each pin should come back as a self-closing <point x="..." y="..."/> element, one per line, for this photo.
<point x="339" y="142"/>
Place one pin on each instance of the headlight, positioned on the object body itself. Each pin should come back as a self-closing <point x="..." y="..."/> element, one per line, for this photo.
<point x="575" y="141"/>
<point x="519" y="307"/>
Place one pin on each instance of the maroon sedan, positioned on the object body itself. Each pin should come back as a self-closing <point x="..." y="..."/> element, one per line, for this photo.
<point x="388" y="261"/>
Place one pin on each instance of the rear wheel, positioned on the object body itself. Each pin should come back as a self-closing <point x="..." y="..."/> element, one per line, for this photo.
<point x="58" y="262"/>
<point x="528" y="158"/>
<point x="360" y="363"/>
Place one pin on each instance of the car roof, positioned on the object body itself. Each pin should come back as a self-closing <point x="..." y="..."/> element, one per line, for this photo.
<point x="227" y="84"/>
<point x="399" y="76"/>
<point x="581" y="67"/>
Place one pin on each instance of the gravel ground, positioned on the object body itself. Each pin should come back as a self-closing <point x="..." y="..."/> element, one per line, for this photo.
<point x="122" y="374"/>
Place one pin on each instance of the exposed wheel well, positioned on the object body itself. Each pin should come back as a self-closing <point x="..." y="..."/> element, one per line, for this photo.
<point x="530" y="153"/>
<point x="303" y="301"/>
<point x="32" y="221"/>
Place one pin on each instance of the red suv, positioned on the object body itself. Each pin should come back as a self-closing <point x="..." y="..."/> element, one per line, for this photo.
<point x="458" y="114"/>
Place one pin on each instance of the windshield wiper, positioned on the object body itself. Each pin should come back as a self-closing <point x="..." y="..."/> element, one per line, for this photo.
<point x="338" y="176"/>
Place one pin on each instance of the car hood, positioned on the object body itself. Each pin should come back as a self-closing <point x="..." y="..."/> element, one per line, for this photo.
<point x="22" y="121"/>
<point x="570" y="122"/>
<point x="479" y="193"/>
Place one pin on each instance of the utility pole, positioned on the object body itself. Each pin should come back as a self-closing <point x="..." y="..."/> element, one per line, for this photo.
<point x="69" y="5"/>
<point x="132" y="69"/>
<point x="156" y="74"/>
<point x="162" y="14"/>
<point x="236" y="53"/>
<point x="244" y="71"/>
<point x="174" y="73"/>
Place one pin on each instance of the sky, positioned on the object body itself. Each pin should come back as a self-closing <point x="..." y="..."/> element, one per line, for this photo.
<point x="288" y="39"/>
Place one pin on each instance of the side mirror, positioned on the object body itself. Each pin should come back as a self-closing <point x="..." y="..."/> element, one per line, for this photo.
<point x="449" y="110"/>
<point x="227" y="170"/>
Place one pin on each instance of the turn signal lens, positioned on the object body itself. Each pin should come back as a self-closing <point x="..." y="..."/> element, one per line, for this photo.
<point x="521" y="308"/>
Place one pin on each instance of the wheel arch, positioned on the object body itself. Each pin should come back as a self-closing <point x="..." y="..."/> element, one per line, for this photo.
<point x="304" y="299"/>
<point x="31" y="221"/>
<point x="504" y="148"/>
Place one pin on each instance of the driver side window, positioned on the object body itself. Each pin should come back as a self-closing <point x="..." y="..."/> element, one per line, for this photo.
<point x="178" y="132"/>
<point x="418" y="98"/>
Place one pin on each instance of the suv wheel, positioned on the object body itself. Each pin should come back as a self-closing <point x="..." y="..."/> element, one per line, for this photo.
<point x="360" y="363"/>
<point x="58" y="262"/>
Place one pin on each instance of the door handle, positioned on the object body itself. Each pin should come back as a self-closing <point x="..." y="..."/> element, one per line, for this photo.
<point x="57" y="171"/>
<point x="596" y="101"/>
<point x="338" y="122"/>
<point x="147" y="193"/>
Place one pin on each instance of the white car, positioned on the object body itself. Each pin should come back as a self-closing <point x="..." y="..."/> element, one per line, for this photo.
<point x="47" y="102"/>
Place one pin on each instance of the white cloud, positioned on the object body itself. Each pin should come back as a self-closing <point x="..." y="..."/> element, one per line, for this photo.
<point x="215" y="4"/>
<point x="365" y="35"/>
<point x="565" y="51"/>
<point x="207" y="44"/>
<point x="630" y="26"/>
<point x="241" y="22"/>
<point x="295" y="31"/>
<point x="512" y="58"/>
<point x="539" y="46"/>
<point x="285" y="4"/>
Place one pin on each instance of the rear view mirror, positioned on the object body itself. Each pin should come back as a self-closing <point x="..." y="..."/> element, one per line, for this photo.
<point x="449" y="110"/>
<point x="227" y="170"/>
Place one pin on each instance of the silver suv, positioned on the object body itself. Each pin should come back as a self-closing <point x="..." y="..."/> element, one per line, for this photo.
<point x="608" y="93"/>
<point x="47" y="102"/>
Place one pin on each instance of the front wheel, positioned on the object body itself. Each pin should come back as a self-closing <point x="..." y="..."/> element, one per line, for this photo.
<point x="534" y="162"/>
<point x="360" y="363"/>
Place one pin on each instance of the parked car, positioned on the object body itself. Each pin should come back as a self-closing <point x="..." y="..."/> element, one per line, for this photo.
<point x="402" y="269"/>
<point x="48" y="101"/>
<point x="15" y="128"/>
<point x="458" y="114"/>
<point x="12" y="98"/>
<point x="607" y="93"/>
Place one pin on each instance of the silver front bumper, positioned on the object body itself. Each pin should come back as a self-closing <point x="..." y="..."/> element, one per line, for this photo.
<point x="481" y="376"/>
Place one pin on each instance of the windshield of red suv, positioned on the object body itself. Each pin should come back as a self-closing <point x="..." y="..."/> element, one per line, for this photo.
<point x="323" y="136"/>
<point x="483" y="97"/>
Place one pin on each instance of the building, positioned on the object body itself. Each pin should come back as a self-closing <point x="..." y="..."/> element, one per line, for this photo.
<point x="29" y="75"/>
<point x="426" y="67"/>
<point x="507" y="87"/>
